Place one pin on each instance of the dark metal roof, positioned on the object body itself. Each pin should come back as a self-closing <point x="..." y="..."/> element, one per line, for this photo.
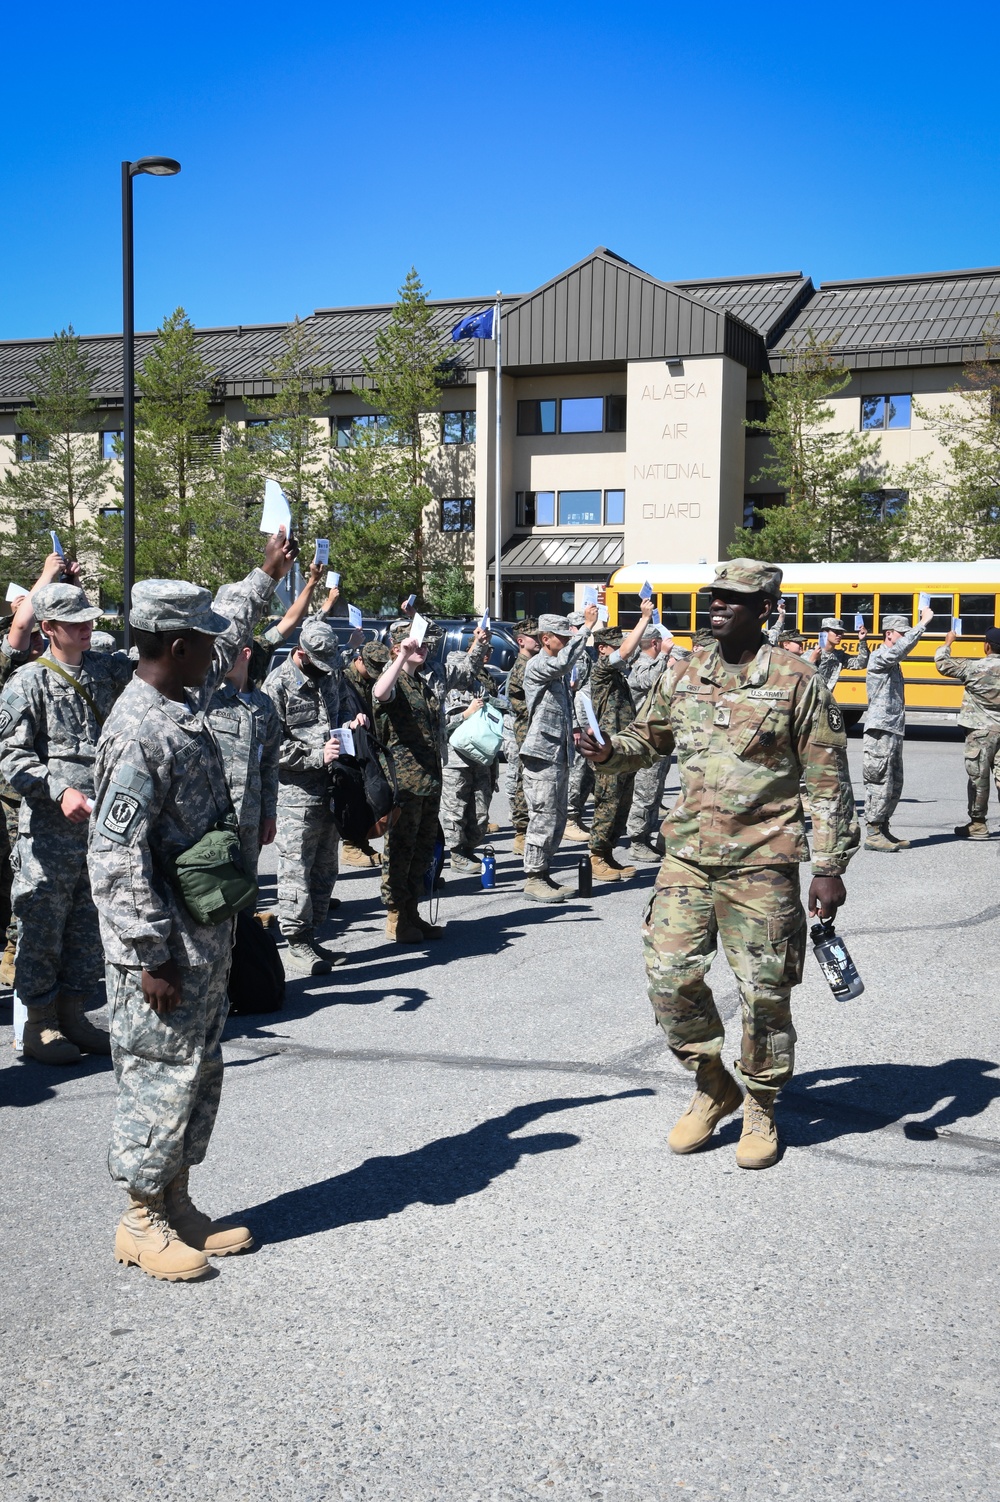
<point x="581" y="553"/>
<point x="933" y="319"/>
<point x="606" y="311"/>
<point x="767" y="303"/>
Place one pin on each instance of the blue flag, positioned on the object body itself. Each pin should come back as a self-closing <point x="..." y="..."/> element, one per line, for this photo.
<point x="475" y="326"/>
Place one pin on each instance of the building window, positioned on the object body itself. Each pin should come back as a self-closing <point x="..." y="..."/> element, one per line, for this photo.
<point x="107" y="440"/>
<point x="457" y="514"/>
<point x="258" y="438"/>
<point x="111" y="513"/>
<point x="536" y="508"/>
<point x="976" y="612"/>
<point x="885" y="411"/>
<point x="362" y="421"/>
<point x="25" y="450"/>
<point x="571" y="414"/>
<point x="458" y="427"/>
<point x="754" y="504"/>
<point x="814" y="608"/>
<point x="579" y="508"/>
<point x="883" y="505"/>
<point x="614" y="508"/>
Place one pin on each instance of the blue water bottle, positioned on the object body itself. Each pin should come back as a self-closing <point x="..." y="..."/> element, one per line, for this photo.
<point x="488" y="875"/>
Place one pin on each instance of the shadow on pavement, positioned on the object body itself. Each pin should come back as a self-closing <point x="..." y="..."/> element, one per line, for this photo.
<point x="28" y="1083"/>
<point x="440" y="1173"/>
<point x="831" y="1103"/>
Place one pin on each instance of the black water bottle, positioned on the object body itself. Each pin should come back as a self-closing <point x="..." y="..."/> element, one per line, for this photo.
<point x="836" y="964"/>
<point x="585" y="877"/>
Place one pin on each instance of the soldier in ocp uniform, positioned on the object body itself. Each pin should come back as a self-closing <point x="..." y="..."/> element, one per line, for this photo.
<point x="160" y="786"/>
<point x="979" y="717"/>
<point x="747" y="721"/>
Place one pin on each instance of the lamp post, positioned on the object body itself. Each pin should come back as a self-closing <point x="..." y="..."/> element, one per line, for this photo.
<point x="154" y="166"/>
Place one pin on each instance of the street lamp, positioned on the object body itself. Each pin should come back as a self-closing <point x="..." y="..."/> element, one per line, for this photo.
<point x="154" y="166"/>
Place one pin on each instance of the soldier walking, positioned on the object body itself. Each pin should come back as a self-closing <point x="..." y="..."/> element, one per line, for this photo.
<point x="979" y="717"/>
<point x="746" y="721"/>
<point x="160" y="788"/>
<point x="885" y="727"/>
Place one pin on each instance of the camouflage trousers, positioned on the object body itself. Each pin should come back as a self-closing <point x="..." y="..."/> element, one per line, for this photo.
<point x="408" y="852"/>
<point x="647" y="795"/>
<point x="308" y="862"/>
<point x="757" y="912"/>
<point x="982" y="767"/>
<point x="465" y="804"/>
<point x="169" y="1073"/>
<point x="581" y="785"/>
<point x="882" y="762"/>
<point x="58" y="937"/>
<point x="545" y="786"/>
<point x="612" y="801"/>
<point x="10" y="803"/>
<point x="514" y="788"/>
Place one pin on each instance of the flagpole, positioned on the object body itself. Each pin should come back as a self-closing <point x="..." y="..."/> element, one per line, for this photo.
<point x="498" y="482"/>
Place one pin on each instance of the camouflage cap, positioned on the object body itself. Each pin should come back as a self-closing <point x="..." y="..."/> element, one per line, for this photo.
<point x="375" y="656"/>
<point x="895" y="623"/>
<point x="609" y="636"/>
<point x="320" y="644"/>
<point x="746" y="576"/>
<point x="832" y="623"/>
<point x="62" y="602"/>
<point x="577" y="619"/>
<point x="160" y="605"/>
<point x="652" y="634"/>
<point x="400" y="630"/>
<point x="556" y="625"/>
<point x="528" y="627"/>
<point x="102" y="641"/>
<point x="785" y="637"/>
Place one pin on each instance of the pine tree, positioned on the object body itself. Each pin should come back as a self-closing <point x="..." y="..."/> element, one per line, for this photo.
<point x="59" y="474"/>
<point x="292" y="440"/>
<point x="828" y="476"/>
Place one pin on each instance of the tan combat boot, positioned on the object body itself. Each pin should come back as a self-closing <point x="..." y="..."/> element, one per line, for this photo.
<point x="518" y="846"/>
<point x="493" y="829"/>
<point x="717" y="1095"/>
<point x="7" y="964"/>
<point x="976" y="829"/>
<point x="758" y="1145"/>
<point x="645" y="854"/>
<point x="899" y="844"/>
<point x="43" y="1040"/>
<point x="877" y="841"/>
<point x="539" y="887"/>
<point x="605" y="867"/>
<point x="429" y="930"/>
<point x="359" y="855"/>
<point x="75" y="1025"/>
<point x="145" y="1238"/>
<point x="216" y="1238"/>
<point x="400" y="927"/>
<point x="576" y="832"/>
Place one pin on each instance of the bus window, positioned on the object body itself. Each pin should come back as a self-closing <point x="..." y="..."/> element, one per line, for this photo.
<point x="976" y="612"/>
<point x="851" y="605"/>
<point x="814" y="608"/>
<point x="895" y="605"/>
<point x="675" y="612"/>
<point x="943" y="607"/>
<point x="702" y="601"/>
<point x="628" y="611"/>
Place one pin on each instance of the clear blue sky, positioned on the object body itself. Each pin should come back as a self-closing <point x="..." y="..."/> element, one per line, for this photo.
<point x="327" y="147"/>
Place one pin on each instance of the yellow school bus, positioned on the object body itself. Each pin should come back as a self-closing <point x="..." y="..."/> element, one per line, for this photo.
<point x="813" y="590"/>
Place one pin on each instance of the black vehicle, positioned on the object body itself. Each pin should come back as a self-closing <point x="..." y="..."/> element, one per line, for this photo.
<point x="457" y="638"/>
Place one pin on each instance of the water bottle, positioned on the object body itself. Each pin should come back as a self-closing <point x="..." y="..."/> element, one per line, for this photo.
<point x="488" y="871"/>
<point x="585" y="877"/>
<point x="836" y="964"/>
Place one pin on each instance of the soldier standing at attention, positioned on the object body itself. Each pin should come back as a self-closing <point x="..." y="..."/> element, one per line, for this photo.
<point x="160" y="787"/>
<point x="547" y="751"/>
<point x="466" y="786"/>
<point x="515" y="727"/>
<point x="409" y="724"/>
<point x="885" y="727"/>
<point x="615" y="709"/>
<point x="746" y="721"/>
<point x="979" y="717"/>
<point x="51" y="715"/>
<point x="581" y="773"/>
<point x="831" y="660"/>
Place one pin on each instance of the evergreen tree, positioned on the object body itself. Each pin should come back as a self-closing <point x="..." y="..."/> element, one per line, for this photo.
<point x="449" y="590"/>
<point x="294" y="446"/>
<point x="59" y="473"/>
<point x="828" y="476"/>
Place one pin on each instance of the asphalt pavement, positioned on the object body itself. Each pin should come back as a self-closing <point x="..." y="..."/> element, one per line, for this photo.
<point x="481" y="1274"/>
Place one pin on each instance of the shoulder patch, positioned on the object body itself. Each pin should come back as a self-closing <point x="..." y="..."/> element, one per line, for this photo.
<point x="835" y="718"/>
<point x="124" y="803"/>
<point x="6" y="720"/>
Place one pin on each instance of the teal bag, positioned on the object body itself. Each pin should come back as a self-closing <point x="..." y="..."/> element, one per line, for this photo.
<point x="479" y="737"/>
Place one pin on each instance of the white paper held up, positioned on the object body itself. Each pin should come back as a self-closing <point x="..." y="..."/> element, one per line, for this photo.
<point x="924" y="602"/>
<point x="57" y="546"/>
<point x="859" y="621"/>
<point x="484" y="624"/>
<point x="354" y="616"/>
<point x="646" y="592"/>
<point x="346" y="738"/>
<point x="15" y="592"/>
<point x="590" y="594"/>
<point x="588" y="709"/>
<point x="277" y="512"/>
<point x="322" y="550"/>
<point x="418" y="630"/>
<point x="602" y="615"/>
<point x="333" y="580"/>
<point x="956" y="624"/>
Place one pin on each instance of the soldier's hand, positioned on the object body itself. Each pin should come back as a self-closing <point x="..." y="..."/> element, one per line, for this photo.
<point x="590" y="616"/>
<point x="646" y="608"/>
<point x="473" y="707"/>
<point x="813" y="656"/>
<point x="52" y="571"/>
<point x="360" y="722"/>
<point x="926" y="616"/>
<point x="862" y="632"/>
<point x="405" y="608"/>
<point x="331" y="751"/>
<point x="267" y="830"/>
<point x="280" y="552"/>
<point x="591" y="748"/>
<point x="315" y="573"/>
<point x="76" y="806"/>
<point x="162" y="988"/>
<point x="949" y="637"/>
<point x="826" y="895"/>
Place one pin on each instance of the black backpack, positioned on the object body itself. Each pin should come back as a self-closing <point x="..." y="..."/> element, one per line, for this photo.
<point x="257" y="977"/>
<point x="365" y="797"/>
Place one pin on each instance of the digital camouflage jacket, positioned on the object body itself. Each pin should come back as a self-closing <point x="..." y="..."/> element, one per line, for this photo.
<point x="248" y="734"/>
<point x="308" y="709"/>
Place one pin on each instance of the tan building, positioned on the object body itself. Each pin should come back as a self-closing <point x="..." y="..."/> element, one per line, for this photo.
<point x="623" y="406"/>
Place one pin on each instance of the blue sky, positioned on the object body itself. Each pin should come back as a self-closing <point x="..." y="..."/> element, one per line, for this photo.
<point x="326" y="148"/>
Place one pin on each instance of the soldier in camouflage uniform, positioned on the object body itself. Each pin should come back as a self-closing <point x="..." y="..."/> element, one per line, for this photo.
<point x="746" y="721"/>
<point x="581" y="773"/>
<point x="515" y="729"/>
<point x="51" y="714"/>
<point x="160" y="786"/>
<point x="361" y="677"/>
<point x="650" y="661"/>
<point x="270" y="639"/>
<point x="409" y="722"/>
<point x="885" y="727"/>
<point x="466" y="787"/>
<point x="306" y="692"/>
<point x="831" y="660"/>
<point x="979" y="717"/>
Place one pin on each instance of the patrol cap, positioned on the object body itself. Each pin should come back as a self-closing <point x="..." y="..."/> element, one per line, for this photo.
<point x="160" y="605"/>
<point x="556" y="625"/>
<point x="375" y="656"/>
<point x="527" y="627"/>
<point x="64" y="602"/>
<point x="787" y="636"/>
<point x="895" y="623"/>
<point x="609" y="636"/>
<point x="652" y="634"/>
<point x="400" y="630"/>
<point x="832" y="623"/>
<point x="319" y="642"/>
<point x="102" y="641"/>
<point x="577" y="619"/>
<point x="992" y="635"/>
<point x="746" y="576"/>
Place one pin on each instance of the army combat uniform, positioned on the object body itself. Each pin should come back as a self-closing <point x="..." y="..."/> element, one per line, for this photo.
<point x="885" y="727"/>
<point x="248" y="734"/>
<point x="410" y="725"/>
<point x="743" y="737"/>
<point x="466" y="786"/>
<point x="547" y="753"/>
<point x="580" y="786"/>
<point x="515" y="728"/>
<point x="10" y="809"/>
<point x="647" y="791"/>
<point x="979" y="717"/>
